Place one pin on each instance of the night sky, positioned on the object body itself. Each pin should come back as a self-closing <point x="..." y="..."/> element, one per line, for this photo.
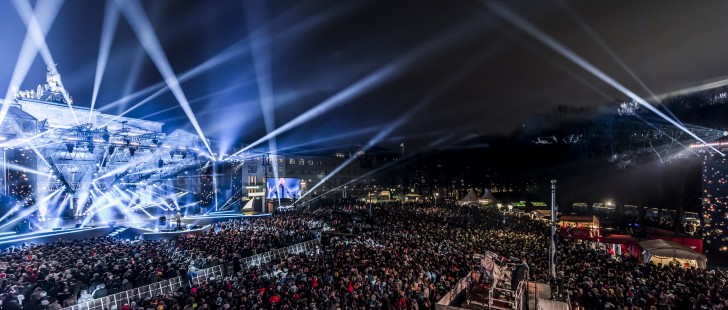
<point x="465" y="69"/>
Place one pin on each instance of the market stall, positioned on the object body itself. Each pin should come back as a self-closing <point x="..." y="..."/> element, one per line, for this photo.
<point x="667" y="252"/>
<point x="579" y="227"/>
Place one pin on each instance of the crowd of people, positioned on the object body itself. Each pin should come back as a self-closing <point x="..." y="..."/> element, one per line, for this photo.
<point x="65" y="273"/>
<point x="596" y="279"/>
<point x="389" y="256"/>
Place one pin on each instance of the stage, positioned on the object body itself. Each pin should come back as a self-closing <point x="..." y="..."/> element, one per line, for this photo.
<point x="154" y="229"/>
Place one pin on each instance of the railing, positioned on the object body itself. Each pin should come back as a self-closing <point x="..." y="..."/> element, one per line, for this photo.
<point x="157" y="288"/>
<point x="518" y="294"/>
<point x="256" y="260"/>
<point x="521" y="293"/>
<point x="458" y="288"/>
<point x="193" y="278"/>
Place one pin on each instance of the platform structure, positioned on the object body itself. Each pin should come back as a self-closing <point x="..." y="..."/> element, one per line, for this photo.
<point x="501" y="297"/>
<point x="149" y="230"/>
<point x="73" y="162"/>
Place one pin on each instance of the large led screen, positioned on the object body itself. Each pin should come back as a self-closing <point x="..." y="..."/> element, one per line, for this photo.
<point x="284" y="188"/>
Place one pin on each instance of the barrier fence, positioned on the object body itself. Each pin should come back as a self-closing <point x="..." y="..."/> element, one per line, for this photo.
<point x="194" y="278"/>
<point x="256" y="260"/>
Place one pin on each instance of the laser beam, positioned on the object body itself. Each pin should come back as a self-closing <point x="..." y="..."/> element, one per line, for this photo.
<point x="145" y="32"/>
<point x="547" y="40"/>
<point x="111" y="19"/>
<point x="46" y="12"/>
<point x="372" y="80"/>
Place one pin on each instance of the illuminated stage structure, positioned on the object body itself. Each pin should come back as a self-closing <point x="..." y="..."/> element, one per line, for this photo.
<point x="64" y="161"/>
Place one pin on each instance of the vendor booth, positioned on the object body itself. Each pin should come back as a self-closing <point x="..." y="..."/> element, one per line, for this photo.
<point x="413" y="198"/>
<point x="667" y="252"/>
<point x="579" y="227"/>
<point x="620" y="244"/>
<point x="580" y="221"/>
<point x="487" y="198"/>
<point x="540" y="214"/>
<point x="470" y="199"/>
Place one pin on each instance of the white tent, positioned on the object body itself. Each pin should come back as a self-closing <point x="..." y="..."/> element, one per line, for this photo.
<point x="487" y="197"/>
<point x="470" y="199"/>
<point x="662" y="251"/>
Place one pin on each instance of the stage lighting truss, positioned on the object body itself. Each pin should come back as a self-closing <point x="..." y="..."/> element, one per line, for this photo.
<point x="108" y="152"/>
<point x="82" y="155"/>
<point x="98" y="151"/>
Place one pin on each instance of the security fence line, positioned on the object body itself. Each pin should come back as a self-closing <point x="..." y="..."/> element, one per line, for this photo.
<point x="194" y="278"/>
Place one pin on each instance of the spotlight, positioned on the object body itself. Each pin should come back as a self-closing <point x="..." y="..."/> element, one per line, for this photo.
<point x="132" y="151"/>
<point x="111" y="149"/>
<point x="69" y="147"/>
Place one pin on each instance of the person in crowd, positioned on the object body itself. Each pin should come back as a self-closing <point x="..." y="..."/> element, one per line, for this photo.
<point x="398" y="256"/>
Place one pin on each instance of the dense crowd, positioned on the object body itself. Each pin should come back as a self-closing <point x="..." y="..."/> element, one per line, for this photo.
<point x="595" y="279"/>
<point x="393" y="256"/>
<point x="65" y="273"/>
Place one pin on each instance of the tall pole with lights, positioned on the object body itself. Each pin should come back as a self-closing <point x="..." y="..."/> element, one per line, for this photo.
<point x="214" y="182"/>
<point x="5" y="173"/>
<point x="265" y="181"/>
<point x="552" y="248"/>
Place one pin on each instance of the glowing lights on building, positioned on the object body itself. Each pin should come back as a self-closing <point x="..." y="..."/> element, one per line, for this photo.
<point x="709" y="144"/>
<point x="715" y="203"/>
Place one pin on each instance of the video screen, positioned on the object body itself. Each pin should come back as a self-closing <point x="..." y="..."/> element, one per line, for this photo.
<point x="282" y="188"/>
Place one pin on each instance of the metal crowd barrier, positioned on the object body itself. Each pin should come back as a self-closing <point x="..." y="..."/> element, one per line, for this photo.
<point x="172" y="285"/>
<point x="257" y="260"/>
<point x="461" y="286"/>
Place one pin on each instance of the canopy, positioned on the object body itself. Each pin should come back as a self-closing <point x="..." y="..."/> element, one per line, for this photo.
<point x="541" y="213"/>
<point x="487" y="197"/>
<point x="414" y="197"/>
<point x="580" y="221"/>
<point x="662" y="248"/>
<point x="470" y="198"/>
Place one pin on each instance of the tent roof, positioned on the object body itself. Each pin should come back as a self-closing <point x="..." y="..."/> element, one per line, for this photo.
<point x="543" y="212"/>
<point x="580" y="218"/>
<point x="670" y="249"/>
<point x="487" y="195"/>
<point x="470" y="197"/>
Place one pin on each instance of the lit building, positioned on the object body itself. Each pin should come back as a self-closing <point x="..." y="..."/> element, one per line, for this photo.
<point x="79" y="153"/>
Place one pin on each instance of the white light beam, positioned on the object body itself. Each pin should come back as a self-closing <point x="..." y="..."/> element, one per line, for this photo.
<point x="111" y="19"/>
<point x="547" y="40"/>
<point x="139" y="22"/>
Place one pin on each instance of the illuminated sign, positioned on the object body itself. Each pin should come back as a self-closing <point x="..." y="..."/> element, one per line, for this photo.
<point x="284" y="188"/>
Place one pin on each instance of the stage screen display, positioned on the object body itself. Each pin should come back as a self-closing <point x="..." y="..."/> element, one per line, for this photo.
<point x="284" y="188"/>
